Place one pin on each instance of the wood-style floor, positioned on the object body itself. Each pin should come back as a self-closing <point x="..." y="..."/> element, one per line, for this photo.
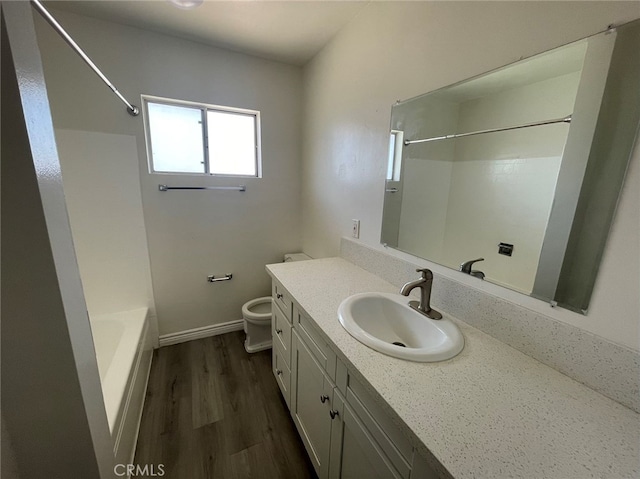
<point x="214" y="411"/>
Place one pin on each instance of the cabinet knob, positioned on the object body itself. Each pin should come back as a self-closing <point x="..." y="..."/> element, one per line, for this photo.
<point x="333" y="413"/>
<point x="279" y="372"/>
<point x="279" y="296"/>
<point x="324" y="398"/>
<point x="278" y="331"/>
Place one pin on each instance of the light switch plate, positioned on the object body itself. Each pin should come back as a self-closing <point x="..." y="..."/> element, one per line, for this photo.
<point x="355" y="228"/>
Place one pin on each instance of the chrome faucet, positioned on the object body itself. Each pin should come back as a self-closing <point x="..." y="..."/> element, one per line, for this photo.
<point x="424" y="283"/>
<point x="466" y="268"/>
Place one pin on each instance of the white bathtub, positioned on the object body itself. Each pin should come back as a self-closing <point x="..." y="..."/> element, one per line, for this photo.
<point x="123" y="350"/>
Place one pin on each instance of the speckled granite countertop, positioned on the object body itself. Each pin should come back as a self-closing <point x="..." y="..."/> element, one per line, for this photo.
<point x="490" y="412"/>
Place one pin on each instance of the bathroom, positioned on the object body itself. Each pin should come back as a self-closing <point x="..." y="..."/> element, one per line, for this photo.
<point x="324" y="113"/>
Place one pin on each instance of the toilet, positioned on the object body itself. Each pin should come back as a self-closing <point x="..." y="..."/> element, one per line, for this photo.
<point x="256" y="314"/>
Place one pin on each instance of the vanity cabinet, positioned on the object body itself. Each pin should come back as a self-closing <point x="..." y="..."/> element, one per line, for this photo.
<point x="346" y="433"/>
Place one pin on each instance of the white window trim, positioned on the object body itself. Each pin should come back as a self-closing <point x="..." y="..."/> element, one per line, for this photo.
<point x="204" y="107"/>
<point x="394" y="162"/>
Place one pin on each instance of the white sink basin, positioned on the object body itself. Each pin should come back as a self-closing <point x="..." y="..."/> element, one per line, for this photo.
<point x="379" y="320"/>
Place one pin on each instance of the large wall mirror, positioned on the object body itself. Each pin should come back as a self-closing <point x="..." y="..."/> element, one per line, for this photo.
<point x="522" y="167"/>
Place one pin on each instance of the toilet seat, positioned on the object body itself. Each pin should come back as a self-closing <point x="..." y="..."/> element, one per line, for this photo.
<point x="256" y="317"/>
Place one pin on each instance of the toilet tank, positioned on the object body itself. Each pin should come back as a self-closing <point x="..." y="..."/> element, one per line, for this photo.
<point x="295" y="257"/>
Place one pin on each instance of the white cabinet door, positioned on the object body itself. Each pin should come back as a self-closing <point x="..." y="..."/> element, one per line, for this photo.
<point x="311" y="400"/>
<point x="354" y="453"/>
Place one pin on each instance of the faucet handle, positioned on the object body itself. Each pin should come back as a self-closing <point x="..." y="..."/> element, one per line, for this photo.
<point x="466" y="266"/>
<point x="426" y="273"/>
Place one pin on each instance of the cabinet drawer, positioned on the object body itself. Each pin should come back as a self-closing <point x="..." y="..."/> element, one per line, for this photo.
<point x="281" y="332"/>
<point x="318" y="347"/>
<point x="281" y="298"/>
<point x="282" y="373"/>
<point x="388" y="436"/>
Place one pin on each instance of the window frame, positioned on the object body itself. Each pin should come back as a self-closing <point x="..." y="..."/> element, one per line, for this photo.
<point x="394" y="161"/>
<point x="203" y="107"/>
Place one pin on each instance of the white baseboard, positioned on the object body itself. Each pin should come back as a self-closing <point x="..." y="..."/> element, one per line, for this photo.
<point x="198" y="333"/>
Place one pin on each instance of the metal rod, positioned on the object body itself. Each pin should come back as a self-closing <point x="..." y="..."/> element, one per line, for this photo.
<point x="132" y="109"/>
<point x="233" y="188"/>
<point x="212" y="279"/>
<point x="566" y="119"/>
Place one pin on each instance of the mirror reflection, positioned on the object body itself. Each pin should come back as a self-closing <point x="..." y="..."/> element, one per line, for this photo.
<point x="491" y="176"/>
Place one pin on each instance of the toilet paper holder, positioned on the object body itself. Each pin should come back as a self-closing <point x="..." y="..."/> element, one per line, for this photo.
<point x="212" y="279"/>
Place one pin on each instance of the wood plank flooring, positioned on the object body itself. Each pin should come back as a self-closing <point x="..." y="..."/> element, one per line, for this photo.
<point x="214" y="411"/>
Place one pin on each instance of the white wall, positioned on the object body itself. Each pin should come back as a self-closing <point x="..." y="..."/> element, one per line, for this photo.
<point x="426" y="173"/>
<point x="190" y="234"/>
<point x="425" y="196"/>
<point x="102" y="191"/>
<point x="543" y="100"/>
<point x="399" y="50"/>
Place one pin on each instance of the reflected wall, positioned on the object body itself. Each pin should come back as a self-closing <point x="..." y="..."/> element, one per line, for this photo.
<point x="478" y="181"/>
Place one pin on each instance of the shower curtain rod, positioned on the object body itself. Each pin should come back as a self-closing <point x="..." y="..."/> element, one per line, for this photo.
<point x="566" y="119"/>
<point x="132" y="109"/>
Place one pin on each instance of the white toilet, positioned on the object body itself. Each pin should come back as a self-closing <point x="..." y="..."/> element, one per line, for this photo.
<point x="257" y="316"/>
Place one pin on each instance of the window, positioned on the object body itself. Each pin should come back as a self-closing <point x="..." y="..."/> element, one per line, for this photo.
<point x="199" y="139"/>
<point x="394" y="164"/>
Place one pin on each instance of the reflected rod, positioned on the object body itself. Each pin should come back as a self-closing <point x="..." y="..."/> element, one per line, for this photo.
<point x="132" y="109"/>
<point x="566" y="119"/>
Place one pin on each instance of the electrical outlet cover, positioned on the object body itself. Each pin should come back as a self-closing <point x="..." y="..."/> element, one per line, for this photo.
<point x="355" y="229"/>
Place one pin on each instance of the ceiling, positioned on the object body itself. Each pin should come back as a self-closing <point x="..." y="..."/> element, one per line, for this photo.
<point x="544" y="66"/>
<point x="289" y="31"/>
